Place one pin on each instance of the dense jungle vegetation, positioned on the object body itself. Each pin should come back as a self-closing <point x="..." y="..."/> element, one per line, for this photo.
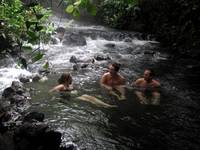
<point x="174" y="23"/>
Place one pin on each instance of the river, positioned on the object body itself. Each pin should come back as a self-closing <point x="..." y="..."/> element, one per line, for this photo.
<point x="172" y="125"/>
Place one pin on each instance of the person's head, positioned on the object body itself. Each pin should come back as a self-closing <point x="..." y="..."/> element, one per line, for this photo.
<point x="65" y="77"/>
<point x="148" y="74"/>
<point x="114" y="68"/>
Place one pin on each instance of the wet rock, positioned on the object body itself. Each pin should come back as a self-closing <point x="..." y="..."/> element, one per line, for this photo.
<point x="73" y="59"/>
<point x="149" y="52"/>
<point x="60" y="30"/>
<point x="110" y="45"/>
<point x="54" y="40"/>
<point x="84" y="65"/>
<point x="36" y="136"/>
<point x="7" y="92"/>
<point x="24" y="80"/>
<point x="102" y="57"/>
<point x="128" y="40"/>
<point x="52" y="140"/>
<point x="6" y="142"/>
<point x="34" y="116"/>
<point x="36" y="77"/>
<point x="70" y="146"/>
<point x="73" y="39"/>
<point x="76" y="67"/>
<point x="30" y="136"/>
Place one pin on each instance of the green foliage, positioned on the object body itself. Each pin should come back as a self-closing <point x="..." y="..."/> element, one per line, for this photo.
<point x="23" y="23"/>
<point x="74" y="7"/>
<point x="116" y="13"/>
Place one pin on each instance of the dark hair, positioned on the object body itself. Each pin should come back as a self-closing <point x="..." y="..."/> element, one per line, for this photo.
<point x="152" y="73"/>
<point x="65" y="77"/>
<point x="116" y="66"/>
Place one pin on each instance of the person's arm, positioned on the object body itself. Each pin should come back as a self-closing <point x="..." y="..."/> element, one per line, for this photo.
<point x="57" y="88"/>
<point x="136" y="84"/>
<point x="103" y="82"/>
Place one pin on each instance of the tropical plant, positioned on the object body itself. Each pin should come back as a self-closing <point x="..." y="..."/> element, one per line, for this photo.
<point x="23" y="23"/>
<point x="117" y="13"/>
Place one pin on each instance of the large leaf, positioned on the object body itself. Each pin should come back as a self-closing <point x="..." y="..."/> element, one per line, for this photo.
<point x="76" y="13"/>
<point x="37" y="57"/>
<point x="70" y="9"/>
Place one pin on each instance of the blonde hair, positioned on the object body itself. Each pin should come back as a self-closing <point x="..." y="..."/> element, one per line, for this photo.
<point x="65" y="77"/>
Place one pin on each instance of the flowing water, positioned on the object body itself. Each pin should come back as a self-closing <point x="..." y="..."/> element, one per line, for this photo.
<point x="172" y="125"/>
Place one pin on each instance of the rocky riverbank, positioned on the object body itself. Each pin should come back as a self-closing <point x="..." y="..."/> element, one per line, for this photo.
<point x="22" y="130"/>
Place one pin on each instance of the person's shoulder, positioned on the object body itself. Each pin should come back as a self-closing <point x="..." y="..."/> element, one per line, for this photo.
<point x="60" y="87"/>
<point x="156" y="82"/>
<point x="106" y="74"/>
<point x="140" y="80"/>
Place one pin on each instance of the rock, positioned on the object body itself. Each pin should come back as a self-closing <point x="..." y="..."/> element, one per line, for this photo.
<point x="36" y="78"/>
<point x="149" y="52"/>
<point x="30" y="136"/>
<point x="8" y="92"/>
<point x="24" y="80"/>
<point x="31" y="117"/>
<point x="52" y="140"/>
<point x="73" y="59"/>
<point x="76" y="67"/>
<point x="54" y="40"/>
<point x="110" y="45"/>
<point x="73" y="39"/>
<point x="102" y="57"/>
<point x="128" y="40"/>
<point x="60" y="30"/>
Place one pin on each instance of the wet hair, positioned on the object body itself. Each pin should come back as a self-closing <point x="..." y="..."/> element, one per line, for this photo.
<point x="65" y="77"/>
<point x="152" y="73"/>
<point x="116" y="66"/>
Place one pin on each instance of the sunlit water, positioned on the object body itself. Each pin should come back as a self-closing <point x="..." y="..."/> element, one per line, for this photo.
<point x="171" y="125"/>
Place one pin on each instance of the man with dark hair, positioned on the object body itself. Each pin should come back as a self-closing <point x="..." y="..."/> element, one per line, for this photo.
<point x="147" y="89"/>
<point x="114" y="81"/>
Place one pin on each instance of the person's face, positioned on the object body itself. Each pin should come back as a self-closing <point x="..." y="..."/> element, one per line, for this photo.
<point x="111" y="70"/>
<point x="147" y="75"/>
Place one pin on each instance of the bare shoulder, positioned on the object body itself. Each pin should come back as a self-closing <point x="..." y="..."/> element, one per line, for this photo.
<point x="105" y="75"/>
<point x="138" y="82"/>
<point x="156" y="82"/>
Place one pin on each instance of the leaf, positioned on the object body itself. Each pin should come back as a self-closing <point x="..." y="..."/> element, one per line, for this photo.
<point x="92" y="9"/>
<point x="77" y="3"/>
<point x="39" y="16"/>
<point x="37" y="57"/>
<point x="39" y="28"/>
<point x="69" y="9"/>
<point x="29" y="23"/>
<point x="46" y="65"/>
<point x="76" y="13"/>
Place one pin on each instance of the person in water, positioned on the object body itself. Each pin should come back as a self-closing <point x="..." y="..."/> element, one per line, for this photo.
<point x="113" y="81"/>
<point x="147" y="88"/>
<point x="64" y="83"/>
